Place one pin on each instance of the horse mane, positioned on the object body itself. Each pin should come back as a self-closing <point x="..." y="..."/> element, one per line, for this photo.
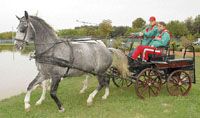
<point x="48" y="28"/>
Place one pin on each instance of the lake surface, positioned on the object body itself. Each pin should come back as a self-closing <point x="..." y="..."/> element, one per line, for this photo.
<point x="16" y="72"/>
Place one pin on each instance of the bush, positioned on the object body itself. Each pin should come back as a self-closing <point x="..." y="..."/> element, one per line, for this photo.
<point x="117" y="43"/>
<point x="7" y="35"/>
<point x="190" y="37"/>
<point x="197" y="48"/>
<point x="185" y="42"/>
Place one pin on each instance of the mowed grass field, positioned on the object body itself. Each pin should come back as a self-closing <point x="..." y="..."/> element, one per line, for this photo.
<point x="122" y="103"/>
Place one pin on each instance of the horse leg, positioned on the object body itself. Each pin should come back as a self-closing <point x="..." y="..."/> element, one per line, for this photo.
<point x="29" y="90"/>
<point x="93" y="94"/>
<point x="107" y="82"/>
<point x="54" y="86"/>
<point x="44" y="89"/>
<point x="85" y="84"/>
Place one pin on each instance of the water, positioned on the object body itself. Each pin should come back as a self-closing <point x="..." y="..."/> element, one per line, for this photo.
<point x="16" y="72"/>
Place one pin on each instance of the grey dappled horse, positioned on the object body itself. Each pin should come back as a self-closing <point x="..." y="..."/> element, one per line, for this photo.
<point x="120" y="62"/>
<point x="46" y="83"/>
<point x="51" y="53"/>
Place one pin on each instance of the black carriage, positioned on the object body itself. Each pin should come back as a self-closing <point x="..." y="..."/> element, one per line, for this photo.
<point x="177" y="74"/>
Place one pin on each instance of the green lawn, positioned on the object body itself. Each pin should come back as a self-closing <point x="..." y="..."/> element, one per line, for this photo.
<point x="122" y="103"/>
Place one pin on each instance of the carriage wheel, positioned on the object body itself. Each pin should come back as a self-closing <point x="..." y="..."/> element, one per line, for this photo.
<point x="148" y="83"/>
<point x="179" y="83"/>
<point x="117" y="80"/>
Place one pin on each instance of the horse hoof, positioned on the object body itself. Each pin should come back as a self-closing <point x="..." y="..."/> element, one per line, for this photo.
<point x="89" y="103"/>
<point x="62" y="110"/>
<point x="38" y="103"/>
<point x="27" y="107"/>
<point x="81" y="92"/>
<point x="104" y="97"/>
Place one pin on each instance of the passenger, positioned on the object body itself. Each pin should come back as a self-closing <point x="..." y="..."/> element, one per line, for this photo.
<point x="161" y="39"/>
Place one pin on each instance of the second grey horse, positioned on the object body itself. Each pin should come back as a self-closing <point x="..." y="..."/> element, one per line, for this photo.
<point x="52" y="52"/>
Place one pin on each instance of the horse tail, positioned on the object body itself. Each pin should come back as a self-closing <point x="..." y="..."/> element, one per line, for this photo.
<point x="101" y="43"/>
<point x="120" y="62"/>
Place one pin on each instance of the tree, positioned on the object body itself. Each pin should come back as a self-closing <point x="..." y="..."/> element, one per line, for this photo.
<point x="185" y="42"/>
<point x="177" y="28"/>
<point x="6" y="35"/>
<point x="189" y="22"/>
<point x="197" y="24"/>
<point x="119" y="31"/>
<point x="190" y="37"/>
<point x="105" y="28"/>
<point x="139" y="23"/>
<point x="88" y="30"/>
<point x="67" y="33"/>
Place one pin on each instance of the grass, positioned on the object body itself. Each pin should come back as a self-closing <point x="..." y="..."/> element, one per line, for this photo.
<point x="122" y="103"/>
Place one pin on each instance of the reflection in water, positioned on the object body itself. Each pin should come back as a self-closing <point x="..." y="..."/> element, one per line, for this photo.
<point x="15" y="73"/>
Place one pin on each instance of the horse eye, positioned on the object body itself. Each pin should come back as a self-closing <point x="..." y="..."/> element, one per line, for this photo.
<point x="26" y="25"/>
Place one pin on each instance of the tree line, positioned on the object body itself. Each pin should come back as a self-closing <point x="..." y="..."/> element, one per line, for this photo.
<point x="189" y="28"/>
<point x="7" y="35"/>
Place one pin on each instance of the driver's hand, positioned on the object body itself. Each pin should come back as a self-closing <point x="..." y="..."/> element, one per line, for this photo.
<point x="132" y="35"/>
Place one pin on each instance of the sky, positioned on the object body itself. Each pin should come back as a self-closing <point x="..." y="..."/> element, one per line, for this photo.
<point x="62" y="14"/>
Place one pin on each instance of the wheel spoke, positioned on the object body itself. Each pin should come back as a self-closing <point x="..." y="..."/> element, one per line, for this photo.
<point x="148" y="83"/>
<point x="149" y="92"/>
<point x="155" y="93"/>
<point x="177" y="90"/>
<point x="179" y="83"/>
<point x="122" y="82"/>
<point x="158" y="88"/>
<point x="140" y="81"/>
<point x="182" y="92"/>
<point x="145" y="87"/>
<point x="172" y="81"/>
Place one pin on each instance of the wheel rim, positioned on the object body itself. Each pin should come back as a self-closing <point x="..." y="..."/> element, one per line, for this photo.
<point x="121" y="82"/>
<point x="148" y="83"/>
<point x="117" y="80"/>
<point x="179" y="83"/>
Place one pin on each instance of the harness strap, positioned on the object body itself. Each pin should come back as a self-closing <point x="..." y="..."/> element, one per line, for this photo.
<point x="40" y="54"/>
<point x="63" y="63"/>
<point x="32" y="27"/>
<point x="71" y="54"/>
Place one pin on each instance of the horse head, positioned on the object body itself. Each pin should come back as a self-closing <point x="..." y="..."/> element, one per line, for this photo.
<point x="25" y="32"/>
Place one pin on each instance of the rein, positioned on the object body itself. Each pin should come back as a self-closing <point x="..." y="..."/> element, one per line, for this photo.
<point x="54" y="60"/>
<point x="64" y="63"/>
<point x="41" y="58"/>
<point x="41" y="55"/>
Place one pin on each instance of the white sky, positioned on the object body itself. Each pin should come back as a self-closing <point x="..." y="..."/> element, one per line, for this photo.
<point x="62" y="14"/>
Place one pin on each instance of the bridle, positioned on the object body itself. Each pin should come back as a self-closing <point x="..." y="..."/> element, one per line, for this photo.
<point x="41" y="55"/>
<point x="24" y="41"/>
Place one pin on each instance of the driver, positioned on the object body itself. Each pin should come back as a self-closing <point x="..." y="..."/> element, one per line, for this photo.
<point x="149" y="32"/>
<point x="162" y="39"/>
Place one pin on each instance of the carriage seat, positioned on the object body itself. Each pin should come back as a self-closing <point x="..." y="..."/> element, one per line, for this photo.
<point x="165" y="54"/>
<point x="180" y="59"/>
<point x="190" y="60"/>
